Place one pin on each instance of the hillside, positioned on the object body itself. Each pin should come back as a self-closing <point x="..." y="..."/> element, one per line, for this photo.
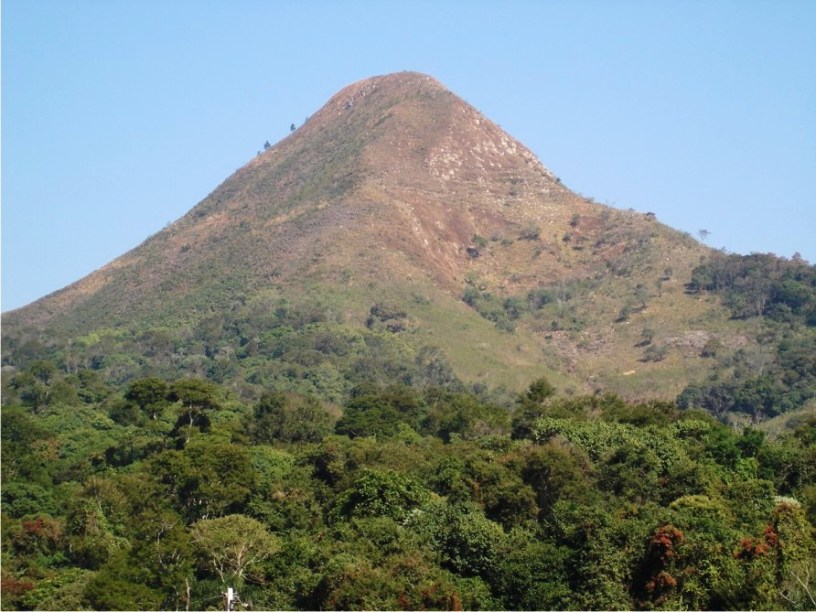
<point x="398" y="193"/>
<point x="393" y="363"/>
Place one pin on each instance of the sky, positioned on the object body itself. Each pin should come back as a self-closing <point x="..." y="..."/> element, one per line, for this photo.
<point x="118" y="116"/>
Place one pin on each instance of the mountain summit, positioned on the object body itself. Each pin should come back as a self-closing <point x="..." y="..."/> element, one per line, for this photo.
<point x="395" y="163"/>
<point x="398" y="189"/>
<point x="395" y="340"/>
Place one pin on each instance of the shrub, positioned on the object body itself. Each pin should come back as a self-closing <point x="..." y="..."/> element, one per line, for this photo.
<point x="531" y="232"/>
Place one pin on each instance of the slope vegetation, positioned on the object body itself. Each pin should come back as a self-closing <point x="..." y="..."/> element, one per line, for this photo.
<point x="398" y="192"/>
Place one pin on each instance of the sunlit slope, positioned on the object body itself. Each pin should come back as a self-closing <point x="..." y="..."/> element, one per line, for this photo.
<point x="397" y="187"/>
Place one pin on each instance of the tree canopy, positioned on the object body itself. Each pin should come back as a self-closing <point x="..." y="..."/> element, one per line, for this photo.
<point x="416" y="497"/>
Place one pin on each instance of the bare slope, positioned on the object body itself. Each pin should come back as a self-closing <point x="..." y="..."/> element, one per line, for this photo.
<point x="398" y="187"/>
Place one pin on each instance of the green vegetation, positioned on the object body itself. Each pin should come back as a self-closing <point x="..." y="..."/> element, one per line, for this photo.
<point x="767" y="370"/>
<point x="336" y="385"/>
<point x="761" y="285"/>
<point x="318" y="460"/>
<point x="160" y="494"/>
<point x="781" y="376"/>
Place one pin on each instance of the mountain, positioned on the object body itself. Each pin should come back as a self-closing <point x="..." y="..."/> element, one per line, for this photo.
<point x="398" y="212"/>
<point x="377" y="369"/>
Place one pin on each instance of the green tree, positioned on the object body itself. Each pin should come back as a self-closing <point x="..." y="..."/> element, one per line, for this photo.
<point x="555" y="472"/>
<point x="462" y="414"/>
<point x="702" y="571"/>
<point x="151" y="395"/>
<point x="207" y="478"/>
<point x="795" y="553"/>
<point x="531" y="405"/>
<point x="378" y="412"/>
<point x="114" y="588"/>
<point x="91" y="387"/>
<point x="35" y="384"/>
<point x="532" y="574"/>
<point x="20" y="433"/>
<point x="289" y="417"/>
<point x="162" y="549"/>
<point x="600" y="547"/>
<point x="467" y="540"/>
<point x="91" y="542"/>
<point x="368" y="416"/>
<point x="233" y="545"/>
<point x="197" y="399"/>
<point x="380" y="493"/>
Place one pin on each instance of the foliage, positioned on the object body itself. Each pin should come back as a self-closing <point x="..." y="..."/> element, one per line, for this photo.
<point x="787" y="383"/>
<point x="463" y="415"/>
<point x="782" y="293"/>
<point x="380" y="493"/>
<point x="466" y="540"/>
<point x="420" y="499"/>
<point x="503" y="312"/>
<point x="289" y="417"/>
<point x="232" y="544"/>
<point x="531" y="405"/>
<point x="374" y="411"/>
<point x="757" y="284"/>
<point x="197" y="399"/>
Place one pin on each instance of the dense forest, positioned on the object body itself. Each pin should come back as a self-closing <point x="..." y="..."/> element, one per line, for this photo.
<point x="166" y="493"/>
<point x="310" y="464"/>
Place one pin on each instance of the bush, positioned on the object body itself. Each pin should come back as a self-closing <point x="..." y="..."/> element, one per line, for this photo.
<point x="531" y="232"/>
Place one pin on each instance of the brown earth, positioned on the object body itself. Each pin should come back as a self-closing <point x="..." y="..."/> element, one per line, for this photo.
<point x="397" y="181"/>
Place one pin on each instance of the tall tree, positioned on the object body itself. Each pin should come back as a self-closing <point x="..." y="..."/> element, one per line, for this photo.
<point x="197" y="398"/>
<point x="233" y="544"/>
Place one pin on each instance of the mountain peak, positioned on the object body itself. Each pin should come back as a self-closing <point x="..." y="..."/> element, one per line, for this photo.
<point x="393" y="170"/>
<point x="412" y="126"/>
<point x="394" y="186"/>
<point x="396" y="161"/>
<point x="402" y="84"/>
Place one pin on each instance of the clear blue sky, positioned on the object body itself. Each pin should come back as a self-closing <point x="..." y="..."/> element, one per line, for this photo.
<point x="118" y="116"/>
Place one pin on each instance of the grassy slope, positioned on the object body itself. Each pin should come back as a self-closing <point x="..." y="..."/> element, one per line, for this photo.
<point x="379" y="200"/>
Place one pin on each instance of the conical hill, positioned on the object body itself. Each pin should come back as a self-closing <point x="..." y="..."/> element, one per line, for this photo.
<point x="399" y="191"/>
